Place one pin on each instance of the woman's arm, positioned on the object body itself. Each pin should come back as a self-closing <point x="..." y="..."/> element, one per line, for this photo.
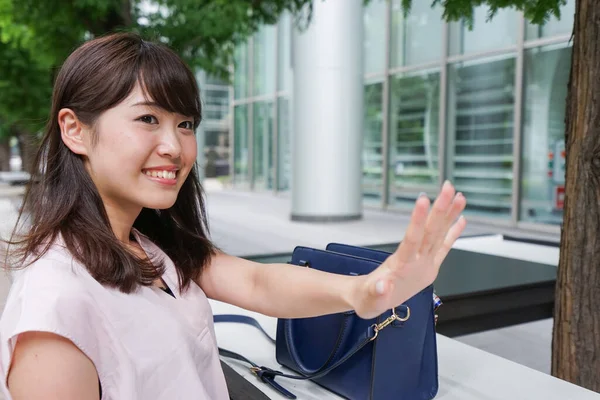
<point x="47" y="366"/>
<point x="278" y="290"/>
<point x="288" y="291"/>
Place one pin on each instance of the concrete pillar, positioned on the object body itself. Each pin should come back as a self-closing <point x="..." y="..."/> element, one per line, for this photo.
<point x="328" y="113"/>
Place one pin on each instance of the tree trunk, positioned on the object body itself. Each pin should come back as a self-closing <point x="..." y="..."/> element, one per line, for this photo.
<point x="28" y="146"/>
<point x="4" y="154"/>
<point x="576" y="336"/>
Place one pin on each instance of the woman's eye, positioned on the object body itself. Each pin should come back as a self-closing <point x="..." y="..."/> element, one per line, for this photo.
<point x="148" y="119"/>
<point x="187" y="125"/>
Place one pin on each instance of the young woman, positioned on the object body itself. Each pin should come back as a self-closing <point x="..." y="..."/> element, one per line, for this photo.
<point x="116" y="268"/>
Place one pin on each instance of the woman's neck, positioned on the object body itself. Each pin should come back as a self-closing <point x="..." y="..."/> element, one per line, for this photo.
<point x="121" y="221"/>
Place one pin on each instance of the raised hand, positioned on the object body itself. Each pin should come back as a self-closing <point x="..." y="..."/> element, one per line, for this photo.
<point x="416" y="262"/>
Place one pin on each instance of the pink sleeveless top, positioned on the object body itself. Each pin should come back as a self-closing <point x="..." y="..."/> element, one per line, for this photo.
<point x="145" y="345"/>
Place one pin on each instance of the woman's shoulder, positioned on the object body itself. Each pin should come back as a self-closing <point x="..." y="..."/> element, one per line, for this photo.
<point x="54" y="267"/>
<point x="54" y="278"/>
<point x="52" y="291"/>
<point x="53" y="294"/>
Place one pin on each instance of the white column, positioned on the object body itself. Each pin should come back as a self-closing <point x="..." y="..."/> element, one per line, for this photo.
<point x="328" y="113"/>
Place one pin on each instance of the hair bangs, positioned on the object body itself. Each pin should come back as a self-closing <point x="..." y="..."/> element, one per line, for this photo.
<point x="168" y="82"/>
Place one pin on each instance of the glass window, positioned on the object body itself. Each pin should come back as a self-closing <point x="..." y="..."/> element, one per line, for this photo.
<point x="498" y="33"/>
<point x="417" y="39"/>
<point x="374" y="21"/>
<point x="372" y="158"/>
<point x="414" y="133"/>
<point x="284" y="138"/>
<point x="216" y="153"/>
<point x="264" y="60"/>
<point x="543" y="159"/>
<point x="284" y="53"/>
<point x="240" y="76"/>
<point x="240" y="150"/>
<point x="215" y="125"/>
<point x="554" y="26"/>
<point x="480" y="140"/>
<point x="215" y="102"/>
<point x="262" y="130"/>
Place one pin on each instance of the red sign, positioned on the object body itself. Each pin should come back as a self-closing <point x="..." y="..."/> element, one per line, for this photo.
<point x="559" y="197"/>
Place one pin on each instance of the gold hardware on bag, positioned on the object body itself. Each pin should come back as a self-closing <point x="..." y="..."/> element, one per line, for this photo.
<point x="389" y="320"/>
<point x="255" y="370"/>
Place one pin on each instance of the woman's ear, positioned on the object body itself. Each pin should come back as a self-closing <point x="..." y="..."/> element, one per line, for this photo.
<point x="73" y="132"/>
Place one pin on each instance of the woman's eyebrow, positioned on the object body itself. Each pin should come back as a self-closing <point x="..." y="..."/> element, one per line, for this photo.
<point x="156" y="105"/>
<point x="146" y="104"/>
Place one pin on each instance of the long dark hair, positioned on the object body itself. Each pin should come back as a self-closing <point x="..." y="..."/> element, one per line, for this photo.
<point x="62" y="199"/>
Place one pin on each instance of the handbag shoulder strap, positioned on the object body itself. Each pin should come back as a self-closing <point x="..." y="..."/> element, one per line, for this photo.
<point x="242" y="319"/>
<point x="268" y="375"/>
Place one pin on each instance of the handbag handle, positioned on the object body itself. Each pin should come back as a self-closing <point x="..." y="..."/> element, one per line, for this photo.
<point x="268" y="375"/>
<point x="341" y="339"/>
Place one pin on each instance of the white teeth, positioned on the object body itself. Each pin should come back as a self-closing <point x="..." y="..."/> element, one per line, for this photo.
<point x="162" y="174"/>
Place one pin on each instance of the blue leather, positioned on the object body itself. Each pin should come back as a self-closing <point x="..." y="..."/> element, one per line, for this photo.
<point x="363" y="252"/>
<point x="400" y="364"/>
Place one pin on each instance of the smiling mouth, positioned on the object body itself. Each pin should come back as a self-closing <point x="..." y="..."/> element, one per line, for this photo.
<point x="161" y="174"/>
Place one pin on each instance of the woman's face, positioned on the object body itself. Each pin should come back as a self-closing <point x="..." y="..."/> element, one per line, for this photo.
<point x="139" y="155"/>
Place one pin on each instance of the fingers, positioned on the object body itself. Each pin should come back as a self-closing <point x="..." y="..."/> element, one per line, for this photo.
<point x="429" y="231"/>
<point x="456" y="208"/>
<point x="453" y="234"/>
<point x="409" y="247"/>
<point x="437" y="225"/>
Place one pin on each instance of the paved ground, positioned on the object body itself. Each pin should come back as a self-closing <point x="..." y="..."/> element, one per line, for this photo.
<point x="257" y="223"/>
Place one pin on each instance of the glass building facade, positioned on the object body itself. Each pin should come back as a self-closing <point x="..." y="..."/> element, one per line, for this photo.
<point x="213" y="139"/>
<point x="484" y="108"/>
<point x="261" y="110"/>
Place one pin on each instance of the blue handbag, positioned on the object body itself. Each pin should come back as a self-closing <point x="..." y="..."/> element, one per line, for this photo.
<point x="393" y="356"/>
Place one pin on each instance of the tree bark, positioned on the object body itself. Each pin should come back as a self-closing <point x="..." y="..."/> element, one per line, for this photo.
<point x="4" y="154"/>
<point x="28" y="146"/>
<point x="576" y="335"/>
